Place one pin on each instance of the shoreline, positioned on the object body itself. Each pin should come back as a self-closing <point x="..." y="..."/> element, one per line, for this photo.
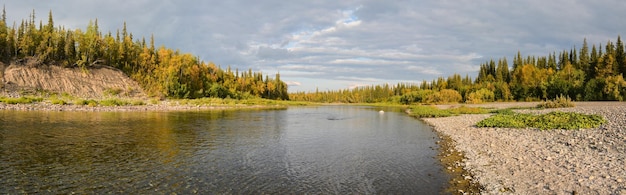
<point x="161" y="107"/>
<point x="532" y="161"/>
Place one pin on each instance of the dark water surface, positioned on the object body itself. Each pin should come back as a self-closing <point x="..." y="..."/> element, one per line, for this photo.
<point x="312" y="150"/>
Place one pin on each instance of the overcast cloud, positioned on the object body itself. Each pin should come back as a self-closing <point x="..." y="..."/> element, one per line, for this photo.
<point x="341" y="44"/>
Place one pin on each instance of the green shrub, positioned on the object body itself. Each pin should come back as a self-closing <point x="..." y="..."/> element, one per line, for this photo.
<point x="506" y="121"/>
<point x="559" y="102"/>
<point x="480" y="96"/>
<point x="415" y="96"/>
<point x="552" y="120"/>
<point x="442" y="97"/>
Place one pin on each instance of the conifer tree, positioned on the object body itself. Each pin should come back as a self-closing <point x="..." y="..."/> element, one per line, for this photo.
<point x="620" y="56"/>
<point x="583" y="58"/>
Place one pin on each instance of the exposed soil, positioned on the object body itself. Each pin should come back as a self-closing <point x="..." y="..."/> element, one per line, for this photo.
<point x="29" y="77"/>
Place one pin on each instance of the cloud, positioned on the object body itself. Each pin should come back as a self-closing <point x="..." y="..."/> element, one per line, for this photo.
<point x="343" y="43"/>
<point x="293" y="83"/>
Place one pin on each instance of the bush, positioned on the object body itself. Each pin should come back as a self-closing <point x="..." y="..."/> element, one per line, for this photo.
<point x="443" y="96"/>
<point x="431" y="97"/>
<point x="559" y="102"/>
<point x="415" y="96"/>
<point x="552" y="120"/>
<point x="480" y="96"/>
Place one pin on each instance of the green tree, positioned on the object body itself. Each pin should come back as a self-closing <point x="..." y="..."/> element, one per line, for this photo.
<point x="620" y="56"/>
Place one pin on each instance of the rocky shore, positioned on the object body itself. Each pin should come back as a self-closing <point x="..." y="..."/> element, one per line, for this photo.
<point x="532" y="161"/>
<point x="163" y="106"/>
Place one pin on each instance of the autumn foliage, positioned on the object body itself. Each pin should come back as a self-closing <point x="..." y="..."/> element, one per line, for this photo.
<point x="162" y="72"/>
<point x="581" y="75"/>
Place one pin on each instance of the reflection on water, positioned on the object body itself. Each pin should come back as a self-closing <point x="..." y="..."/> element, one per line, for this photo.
<point x="318" y="150"/>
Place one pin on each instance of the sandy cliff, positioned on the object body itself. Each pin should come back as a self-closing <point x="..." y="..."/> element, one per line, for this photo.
<point x="94" y="82"/>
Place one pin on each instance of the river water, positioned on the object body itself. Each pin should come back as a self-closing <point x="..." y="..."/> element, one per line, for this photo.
<point x="299" y="150"/>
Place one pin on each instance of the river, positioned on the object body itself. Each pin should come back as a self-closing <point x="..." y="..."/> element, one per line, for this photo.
<point x="299" y="150"/>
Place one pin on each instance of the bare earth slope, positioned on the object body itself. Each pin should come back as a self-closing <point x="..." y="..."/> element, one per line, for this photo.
<point x="90" y="83"/>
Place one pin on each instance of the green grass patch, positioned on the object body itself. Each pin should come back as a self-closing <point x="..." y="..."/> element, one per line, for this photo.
<point x="114" y="102"/>
<point x="552" y="120"/>
<point x="137" y="103"/>
<point x="428" y="112"/>
<point x="468" y="110"/>
<point x="20" y="100"/>
<point x="58" y="101"/>
<point x="431" y="111"/>
<point x="503" y="111"/>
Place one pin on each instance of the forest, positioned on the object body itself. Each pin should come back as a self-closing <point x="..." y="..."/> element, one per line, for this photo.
<point x="593" y="73"/>
<point x="582" y="75"/>
<point x="162" y="72"/>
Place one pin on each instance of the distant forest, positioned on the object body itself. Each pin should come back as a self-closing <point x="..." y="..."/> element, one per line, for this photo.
<point x="582" y="75"/>
<point x="162" y="72"/>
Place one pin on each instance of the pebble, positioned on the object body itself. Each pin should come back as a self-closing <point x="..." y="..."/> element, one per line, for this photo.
<point x="558" y="155"/>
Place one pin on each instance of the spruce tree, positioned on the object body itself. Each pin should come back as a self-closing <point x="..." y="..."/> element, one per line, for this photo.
<point x="583" y="58"/>
<point x="620" y="56"/>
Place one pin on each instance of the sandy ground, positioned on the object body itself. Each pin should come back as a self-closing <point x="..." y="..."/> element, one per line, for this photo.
<point x="532" y="161"/>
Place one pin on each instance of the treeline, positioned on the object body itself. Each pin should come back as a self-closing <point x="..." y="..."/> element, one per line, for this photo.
<point x="595" y="74"/>
<point x="160" y="71"/>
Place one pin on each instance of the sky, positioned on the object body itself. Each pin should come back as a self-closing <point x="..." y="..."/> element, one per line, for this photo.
<point x="331" y="45"/>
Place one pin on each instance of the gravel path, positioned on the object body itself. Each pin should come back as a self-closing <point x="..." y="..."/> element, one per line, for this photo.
<point x="531" y="161"/>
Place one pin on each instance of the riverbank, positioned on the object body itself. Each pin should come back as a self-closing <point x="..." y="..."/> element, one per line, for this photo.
<point x="531" y="161"/>
<point x="160" y="106"/>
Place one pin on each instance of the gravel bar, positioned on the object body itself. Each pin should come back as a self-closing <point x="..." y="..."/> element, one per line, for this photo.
<point x="532" y="161"/>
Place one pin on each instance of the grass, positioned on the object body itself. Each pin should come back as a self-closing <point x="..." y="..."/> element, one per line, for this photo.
<point x="552" y="120"/>
<point x="431" y="111"/>
<point x="66" y="99"/>
<point x="84" y="102"/>
<point x="114" y="102"/>
<point x="20" y="100"/>
<point x="58" y="101"/>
